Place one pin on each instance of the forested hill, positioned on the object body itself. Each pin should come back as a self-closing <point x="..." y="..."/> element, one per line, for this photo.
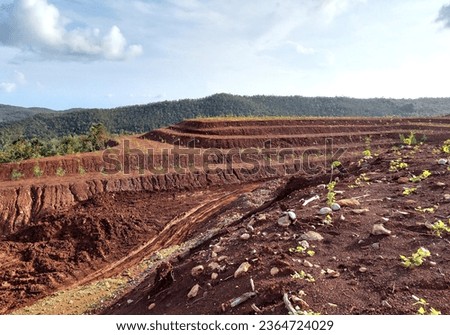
<point x="14" y="113"/>
<point x="142" y="118"/>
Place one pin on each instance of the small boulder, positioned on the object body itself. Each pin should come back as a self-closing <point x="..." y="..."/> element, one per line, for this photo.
<point x="335" y="207"/>
<point x="284" y="221"/>
<point x="325" y="211"/>
<point x="379" y="229"/>
<point x="242" y="269"/>
<point x="349" y="203"/>
<point x="197" y="270"/>
<point x="442" y="161"/>
<point x="311" y="236"/>
<point x="194" y="291"/>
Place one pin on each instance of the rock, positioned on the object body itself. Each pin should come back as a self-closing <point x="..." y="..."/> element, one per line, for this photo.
<point x="261" y="217"/>
<point x="217" y="248"/>
<point x="447" y="196"/>
<point x="274" y="271"/>
<point x="151" y="306"/>
<point x="332" y="273"/>
<point x="214" y="275"/>
<point x="378" y="229"/>
<point x="410" y="202"/>
<point x="130" y="301"/>
<point x="360" y="211"/>
<point x="304" y="244"/>
<point x="335" y="207"/>
<point x="441" y="184"/>
<point x="307" y="264"/>
<point x="292" y="216"/>
<point x="242" y="269"/>
<point x="403" y="180"/>
<point x="194" y="291"/>
<point x="214" y="266"/>
<point x="311" y="236"/>
<point x="349" y="203"/>
<point x="376" y="245"/>
<point x="362" y="269"/>
<point x="325" y="211"/>
<point x="284" y="221"/>
<point x="432" y="263"/>
<point x="442" y="161"/>
<point x="197" y="270"/>
<point x="222" y="258"/>
<point x="385" y="303"/>
<point x="342" y="217"/>
<point x="245" y="236"/>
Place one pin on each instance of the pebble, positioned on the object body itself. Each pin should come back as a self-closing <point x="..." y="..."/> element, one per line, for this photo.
<point x="130" y="301"/>
<point x="362" y="269"/>
<point x="307" y="264"/>
<point x="214" y="275"/>
<point x="385" y="303"/>
<point x="335" y="207"/>
<point x="332" y="273"/>
<point x="222" y="258"/>
<point x="292" y="216"/>
<point x="442" y="161"/>
<point x="214" y="266"/>
<point x="245" y="236"/>
<point x="242" y="269"/>
<point x="194" y="291"/>
<point x="432" y="263"/>
<point x="447" y="196"/>
<point x="274" y="271"/>
<point x="151" y="306"/>
<point x="349" y="202"/>
<point x="325" y="211"/>
<point x="311" y="236"/>
<point x="217" y="248"/>
<point x="379" y="229"/>
<point x="197" y="270"/>
<point x="403" y="180"/>
<point x="284" y="221"/>
<point x="304" y="244"/>
<point x="441" y="184"/>
<point x="360" y="211"/>
<point x="376" y="245"/>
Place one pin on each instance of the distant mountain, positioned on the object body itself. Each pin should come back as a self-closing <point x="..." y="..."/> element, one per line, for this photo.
<point x="14" y="113"/>
<point x="142" y="118"/>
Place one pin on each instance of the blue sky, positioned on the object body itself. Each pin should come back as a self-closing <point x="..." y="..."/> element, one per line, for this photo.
<point x="79" y="53"/>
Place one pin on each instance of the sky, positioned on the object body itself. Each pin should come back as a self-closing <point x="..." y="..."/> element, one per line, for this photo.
<point x="79" y="53"/>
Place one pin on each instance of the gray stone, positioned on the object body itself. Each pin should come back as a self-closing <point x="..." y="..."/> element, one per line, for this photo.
<point x="311" y="236"/>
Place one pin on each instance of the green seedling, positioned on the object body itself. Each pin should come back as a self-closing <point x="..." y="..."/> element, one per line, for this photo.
<point x="446" y="147"/>
<point x="416" y="259"/>
<point x="408" y="140"/>
<point x="440" y="227"/>
<point x="423" y="306"/>
<point x="424" y="175"/>
<point x="37" y="171"/>
<point x="16" y="175"/>
<point x="430" y="210"/>
<point x="303" y="275"/>
<point x="302" y="250"/>
<point x="331" y="195"/>
<point x="367" y="153"/>
<point x="81" y="170"/>
<point x="397" y="164"/>
<point x="409" y="190"/>
<point x="60" y="172"/>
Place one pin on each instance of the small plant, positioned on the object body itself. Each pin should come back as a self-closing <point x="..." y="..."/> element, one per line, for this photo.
<point x="302" y="250"/>
<point x="408" y="140"/>
<point x="303" y="275"/>
<point x="37" y="171"/>
<point x="423" y="307"/>
<point x="331" y="195"/>
<point x="81" y="170"/>
<point x="16" y="175"/>
<point x="60" y="172"/>
<point x="328" y="220"/>
<point x="440" y="227"/>
<point x="409" y="190"/>
<point x="446" y="147"/>
<point x="367" y="153"/>
<point x="416" y="259"/>
<point x="430" y="210"/>
<point x="424" y="175"/>
<point x="397" y="164"/>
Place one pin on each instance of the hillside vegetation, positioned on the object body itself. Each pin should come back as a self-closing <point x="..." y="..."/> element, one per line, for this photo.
<point x="143" y="118"/>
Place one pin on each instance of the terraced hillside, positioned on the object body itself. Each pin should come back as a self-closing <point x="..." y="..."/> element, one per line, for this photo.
<point x="110" y="232"/>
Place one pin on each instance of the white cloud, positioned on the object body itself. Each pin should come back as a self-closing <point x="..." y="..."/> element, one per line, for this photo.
<point x="39" y="27"/>
<point x="444" y="16"/>
<point x="7" y="87"/>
